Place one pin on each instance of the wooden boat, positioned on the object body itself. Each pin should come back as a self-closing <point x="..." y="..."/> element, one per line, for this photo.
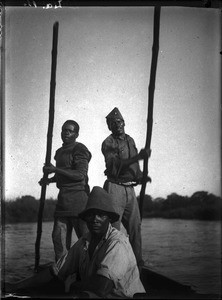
<point x="157" y="286"/>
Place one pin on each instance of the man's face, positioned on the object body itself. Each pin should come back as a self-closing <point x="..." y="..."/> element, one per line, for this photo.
<point x="68" y="133"/>
<point x="97" y="222"/>
<point x="117" y="126"/>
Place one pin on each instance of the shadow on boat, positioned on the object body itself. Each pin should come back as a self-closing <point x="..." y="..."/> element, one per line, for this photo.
<point x="157" y="286"/>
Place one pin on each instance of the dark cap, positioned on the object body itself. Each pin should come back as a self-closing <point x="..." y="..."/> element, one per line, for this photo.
<point x="101" y="200"/>
<point x="114" y="114"/>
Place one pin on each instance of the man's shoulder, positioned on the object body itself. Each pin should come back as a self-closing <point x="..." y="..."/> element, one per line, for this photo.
<point x="117" y="235"/>
<point x="111" y="138"/>
<point x="59" y="150"/>
<point x="108" y="139"/>
<point x="81" y="148"/>
<point x="129" y="138"/>
<point x="108" y="143"/>
<point x="79" y="145"/>
<point x="75" y="148"/>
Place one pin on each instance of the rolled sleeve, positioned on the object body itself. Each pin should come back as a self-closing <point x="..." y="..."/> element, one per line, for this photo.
<point x="81" y="160"/>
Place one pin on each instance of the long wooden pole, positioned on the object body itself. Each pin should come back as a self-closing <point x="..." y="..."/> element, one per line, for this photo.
<point x="155" y="51"/>
<point x="49" y="141"/>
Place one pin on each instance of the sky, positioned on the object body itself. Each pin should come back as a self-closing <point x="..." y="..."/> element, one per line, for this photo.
<point x="103" y="61"/>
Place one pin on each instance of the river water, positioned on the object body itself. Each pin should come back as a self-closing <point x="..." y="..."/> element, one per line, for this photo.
<point x="188" y="251"/>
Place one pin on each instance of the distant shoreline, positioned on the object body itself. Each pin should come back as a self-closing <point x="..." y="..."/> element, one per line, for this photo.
<point x="200" y="206"/>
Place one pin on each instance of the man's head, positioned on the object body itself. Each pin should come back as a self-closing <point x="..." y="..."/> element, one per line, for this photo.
<point x="115" y="122"/>
<point x="99" y="211"/>
<point x="70" y="131"/>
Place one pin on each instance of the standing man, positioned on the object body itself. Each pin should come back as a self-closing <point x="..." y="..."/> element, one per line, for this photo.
<point x="123" y="173"/>
<point x="71" y="178"/>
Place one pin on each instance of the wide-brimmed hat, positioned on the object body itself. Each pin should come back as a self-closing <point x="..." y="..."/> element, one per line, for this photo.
<point x="101" y="200"/>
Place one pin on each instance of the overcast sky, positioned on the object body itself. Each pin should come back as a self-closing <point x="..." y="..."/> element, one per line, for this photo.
<point x="104" y="57"/>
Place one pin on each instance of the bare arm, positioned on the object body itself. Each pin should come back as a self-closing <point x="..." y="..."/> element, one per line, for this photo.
<point x="78" y="168"/>
<point x="141" y="155"/>
<point x="124" y="163"/>
<point x="47" y="180"/>
<point x="72" y="174"/>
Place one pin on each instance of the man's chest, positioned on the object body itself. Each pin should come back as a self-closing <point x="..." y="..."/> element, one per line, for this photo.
<point x="64" y="158"/>
<point x="120" y="148"/>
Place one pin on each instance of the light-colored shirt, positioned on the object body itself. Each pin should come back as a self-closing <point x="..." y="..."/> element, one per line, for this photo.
<point x="112" y="258"/>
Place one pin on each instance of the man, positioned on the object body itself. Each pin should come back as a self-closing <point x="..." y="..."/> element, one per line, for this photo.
<point x="101" y="264"/>
<point x="71" y="178"/>
<point x="123" y="173"/>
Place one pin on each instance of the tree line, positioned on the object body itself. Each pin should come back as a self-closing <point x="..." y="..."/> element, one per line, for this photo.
<point x="201" y="206"/>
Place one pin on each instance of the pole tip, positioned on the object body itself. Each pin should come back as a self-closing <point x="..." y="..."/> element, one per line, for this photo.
<point x="56" y="24"/>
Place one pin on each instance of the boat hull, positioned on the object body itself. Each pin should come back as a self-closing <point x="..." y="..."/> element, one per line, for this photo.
<point x="157" y="286"/>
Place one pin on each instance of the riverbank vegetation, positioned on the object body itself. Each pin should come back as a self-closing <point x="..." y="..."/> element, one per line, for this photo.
<point x="201" y="206"/>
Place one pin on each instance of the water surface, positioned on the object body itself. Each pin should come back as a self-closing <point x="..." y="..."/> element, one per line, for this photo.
<point x="188" y="251"/>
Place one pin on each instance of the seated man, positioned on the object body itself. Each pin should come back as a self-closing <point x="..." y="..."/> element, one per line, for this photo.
<point x="101" y="263"/>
